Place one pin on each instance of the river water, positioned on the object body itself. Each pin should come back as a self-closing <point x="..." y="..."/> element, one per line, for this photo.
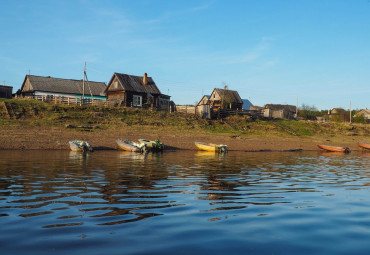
<point x="111" y="202"/>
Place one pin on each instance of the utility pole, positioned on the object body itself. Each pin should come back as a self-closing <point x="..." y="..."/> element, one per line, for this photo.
<point x="350" y="112"/>
<point x="83" y="83"/>
<point x="296" y="109"/>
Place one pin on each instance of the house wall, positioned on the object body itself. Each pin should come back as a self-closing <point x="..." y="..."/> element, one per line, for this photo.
<point x="204" y="111"/>
<point x="278" y="114"/>
<point x="42" y="93"/>
<point x="27" y="86"/>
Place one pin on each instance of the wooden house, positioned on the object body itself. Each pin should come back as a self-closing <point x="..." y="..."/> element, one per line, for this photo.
<point x="135" y="91"/>
<point x="220" y="99"/>
<point x="6" y="91"/>
<point x="338" y="114"/>
<point x="279" y="111"/>
<point x="365" y="113"/>
<point x="50" y="87"/>
<point x="225" y="99"/>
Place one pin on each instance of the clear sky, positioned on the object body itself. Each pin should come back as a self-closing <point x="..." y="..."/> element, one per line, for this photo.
<point x="270" y="51"/>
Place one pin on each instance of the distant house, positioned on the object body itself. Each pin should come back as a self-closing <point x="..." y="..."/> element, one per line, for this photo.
<point x="225" y="99"/>
<point x="279" y="111"/>
<point x="247" y="104"/>
<point x="135" y="91"/>
<point x="6" y="91"/>
<point x="365" y="113"/>
<point x="338" y="114"/>
<point x="50" y="87"/>
<point x="220" y="99"/>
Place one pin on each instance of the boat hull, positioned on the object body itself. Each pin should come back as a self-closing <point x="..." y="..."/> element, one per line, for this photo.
<point x="364" y="145"/>
<point x="80" y="146"/>
<point x="128" y="146"/>
<point x="333" y="148"/>
<point x="152" y="145"/>
<point x="211" y="147"/>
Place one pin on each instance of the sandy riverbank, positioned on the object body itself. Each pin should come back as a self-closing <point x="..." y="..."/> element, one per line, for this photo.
<point x="36" y="138"/>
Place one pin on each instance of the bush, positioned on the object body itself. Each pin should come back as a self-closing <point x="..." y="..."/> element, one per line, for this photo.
<point x="360" y="118"/>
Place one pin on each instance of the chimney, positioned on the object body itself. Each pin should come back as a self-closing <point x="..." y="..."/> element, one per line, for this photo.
<point x="145" y="82"/>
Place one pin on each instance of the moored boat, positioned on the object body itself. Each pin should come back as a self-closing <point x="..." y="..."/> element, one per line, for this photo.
<point x="80" y="146"/>
<point x="334" y="148"/>
<point x="364" y="145"/>
<point x="211" y="147"/>
<point x="129" y="145"/>
<point x="152" y="145"/>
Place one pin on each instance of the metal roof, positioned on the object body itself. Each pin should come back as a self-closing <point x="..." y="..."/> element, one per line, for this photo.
<point x="67" y="86"/>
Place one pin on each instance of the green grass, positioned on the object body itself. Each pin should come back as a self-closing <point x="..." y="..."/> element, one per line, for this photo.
<point x="32" y="112"/>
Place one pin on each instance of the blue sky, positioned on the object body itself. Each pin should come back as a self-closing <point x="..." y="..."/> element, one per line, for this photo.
<point x="270" y="51"/>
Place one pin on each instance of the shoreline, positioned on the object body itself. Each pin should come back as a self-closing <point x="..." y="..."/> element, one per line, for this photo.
<point x="56" y="138"/>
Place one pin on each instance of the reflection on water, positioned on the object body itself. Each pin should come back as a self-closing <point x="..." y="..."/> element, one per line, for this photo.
<point x="254" y="198"/>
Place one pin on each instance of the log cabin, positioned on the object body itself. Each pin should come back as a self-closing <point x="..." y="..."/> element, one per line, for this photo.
<point x="135" y="91"/>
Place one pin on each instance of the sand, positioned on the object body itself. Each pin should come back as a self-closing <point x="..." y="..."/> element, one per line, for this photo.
<point x="56" y="138"/>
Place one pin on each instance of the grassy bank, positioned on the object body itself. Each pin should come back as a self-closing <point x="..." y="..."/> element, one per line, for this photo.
<point x="31" y="112"/>
<point x="33" y="120"/>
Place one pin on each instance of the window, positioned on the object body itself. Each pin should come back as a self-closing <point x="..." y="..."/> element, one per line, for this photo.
<point x="137" y="100"/>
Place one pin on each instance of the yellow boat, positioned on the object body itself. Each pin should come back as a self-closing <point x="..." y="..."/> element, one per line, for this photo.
<point x="211" y="147"/>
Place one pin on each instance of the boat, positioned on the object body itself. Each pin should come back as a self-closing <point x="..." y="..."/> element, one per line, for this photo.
<point x="80" y="146"/>
<point x="211" y="147"/>
<point x="152" y="145"/>
<point x="127" y="145"/>
<point x="364" y="145"/>
<point x="334" y="148"/>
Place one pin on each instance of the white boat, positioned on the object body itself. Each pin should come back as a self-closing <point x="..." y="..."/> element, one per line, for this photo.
<point x="81" y="146"/>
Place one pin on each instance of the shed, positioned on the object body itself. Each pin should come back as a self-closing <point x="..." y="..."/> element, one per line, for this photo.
<point x="6" y="91"/>
<point x="203" y="107"/>
<point x="279" y="111"/>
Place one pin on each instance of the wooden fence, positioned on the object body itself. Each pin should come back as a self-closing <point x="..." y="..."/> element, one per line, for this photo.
<point x="68" y="100"/>
<point x="222" y="113"/>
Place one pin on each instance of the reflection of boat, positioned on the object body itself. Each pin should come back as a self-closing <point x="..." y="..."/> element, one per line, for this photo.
<point x="364" y="145"/>
<point x="211" y="147"/>
<point x="81" y="146"/>
<point x="334" y="148"/>
<point x="152" y="145"/>
<point x="129" y="146"/>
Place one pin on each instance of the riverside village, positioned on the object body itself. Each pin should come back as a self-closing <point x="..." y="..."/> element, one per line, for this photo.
<point x="127" y="91"/>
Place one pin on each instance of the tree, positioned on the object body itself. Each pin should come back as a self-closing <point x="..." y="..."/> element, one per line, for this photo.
<point x="308" y="112"/>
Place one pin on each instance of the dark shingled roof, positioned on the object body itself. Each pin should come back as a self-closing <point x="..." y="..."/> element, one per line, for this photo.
<point x="278" y="107"/>
<point x="135" y="83"/>
<point x="234" y="95"/>
<point x="66" y="86"/>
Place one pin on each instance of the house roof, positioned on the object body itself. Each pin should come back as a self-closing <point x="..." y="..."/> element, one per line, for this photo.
<point x="5" y="86"/>
<point x="234" y="95"/>
<point x="67" y="86"/>
<point x="278" y="107"/>
<point x="246" y="104"/>
<point x="135" y="83"/>
<point x="364" y="111"/>
<point x="205" y="96"/>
